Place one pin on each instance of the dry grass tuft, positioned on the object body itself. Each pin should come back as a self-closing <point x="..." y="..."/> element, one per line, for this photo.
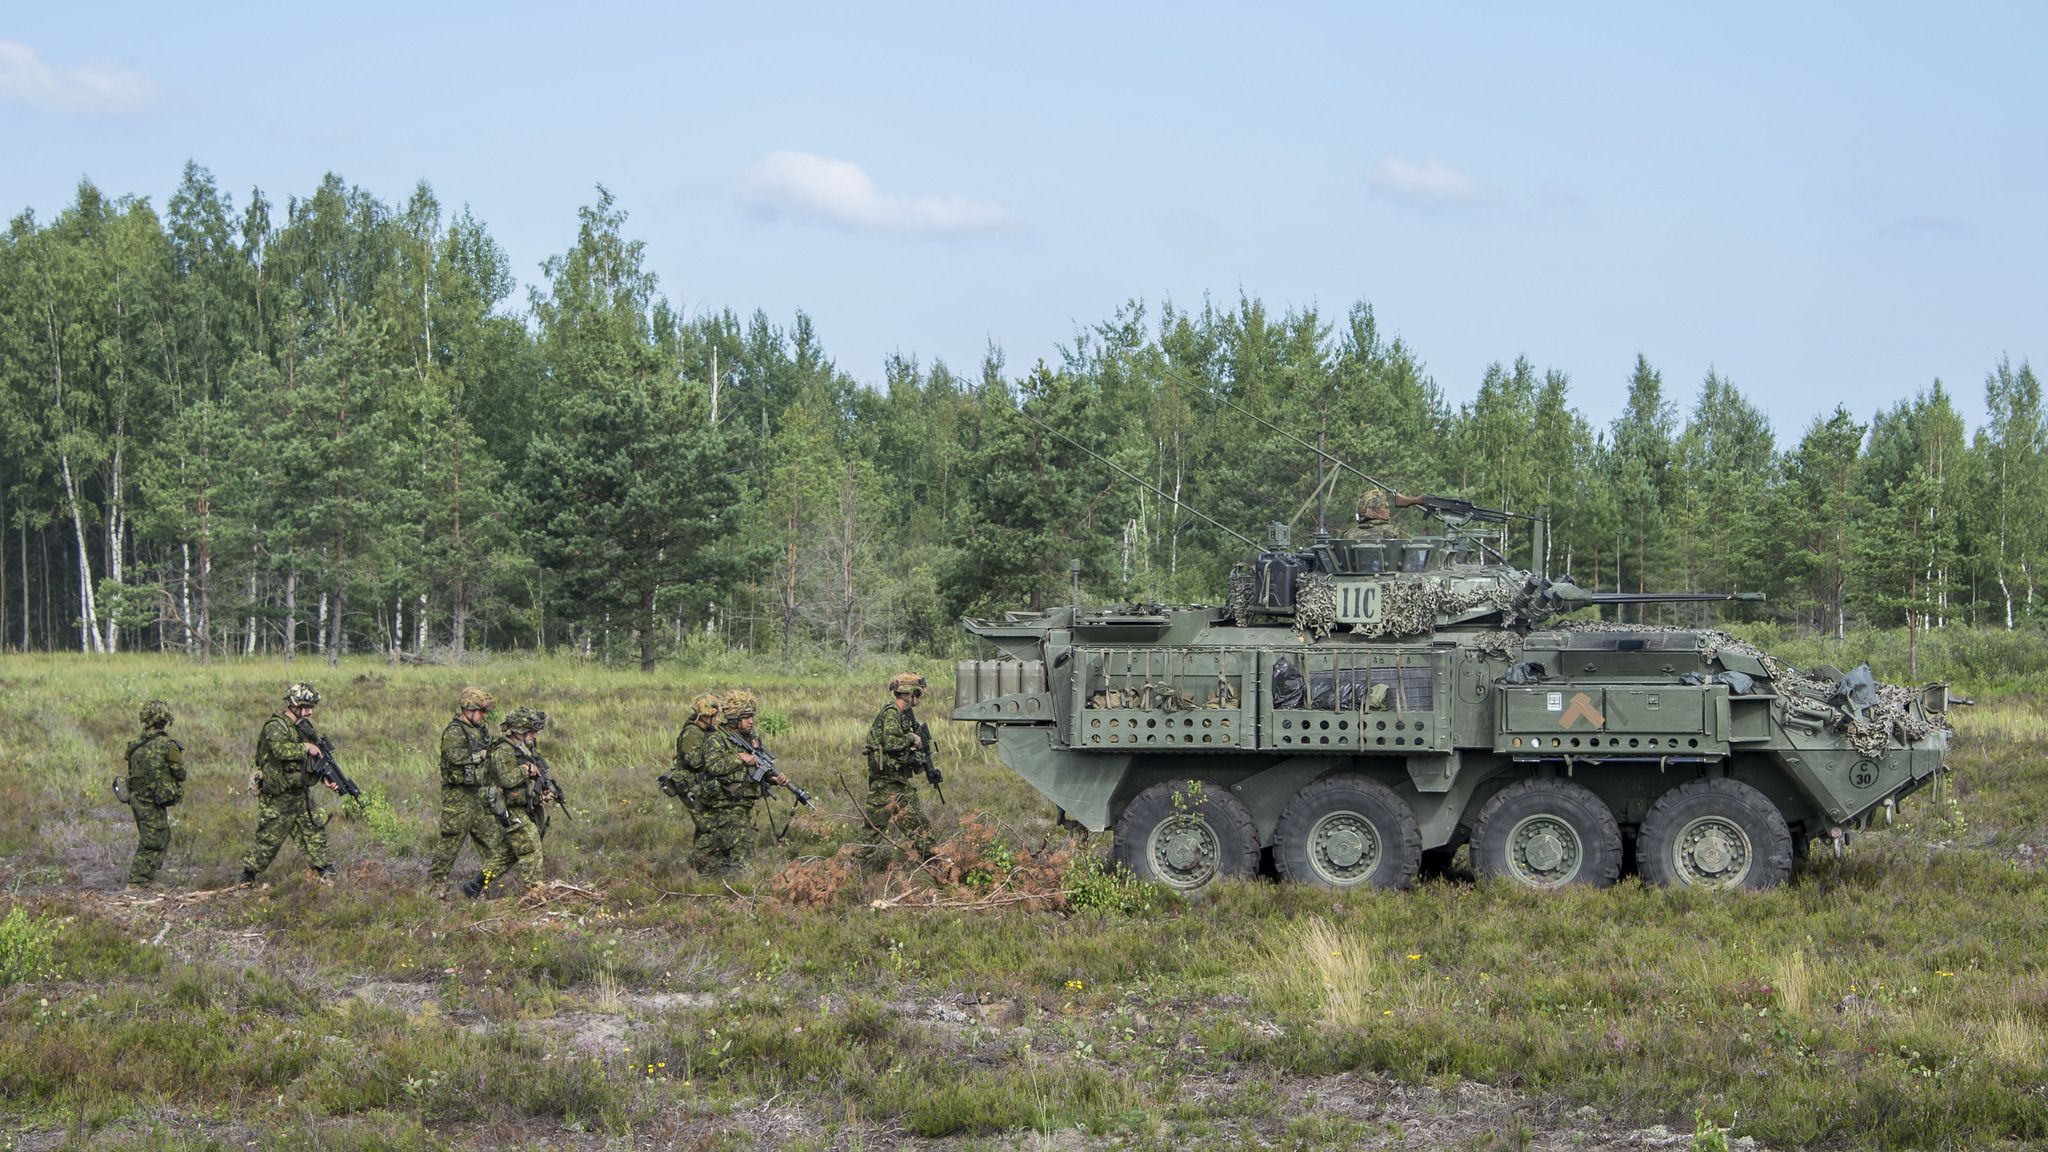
<point x="1346" y="973"/>
<point x="2014" y="1041"/>
<point x="1793" y="982"/>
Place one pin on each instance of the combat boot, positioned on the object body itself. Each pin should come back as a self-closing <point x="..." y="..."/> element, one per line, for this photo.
<point x="248" y="877"/>
<point x="325" y="874"/>
<point x="474" y="886"/>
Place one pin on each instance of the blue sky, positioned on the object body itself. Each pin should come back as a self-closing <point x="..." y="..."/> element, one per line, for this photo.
<point x="1826" y="203"/>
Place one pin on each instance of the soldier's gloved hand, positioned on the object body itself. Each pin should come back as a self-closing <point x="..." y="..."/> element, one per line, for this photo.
<point x="505" y="820"/>
<point x="935" y="776"/>
<point x="255" y="781"/>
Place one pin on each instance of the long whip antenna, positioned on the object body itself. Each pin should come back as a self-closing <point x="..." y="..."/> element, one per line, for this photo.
<point x="1147" y="485"/>
<point x="1219" y="398"/>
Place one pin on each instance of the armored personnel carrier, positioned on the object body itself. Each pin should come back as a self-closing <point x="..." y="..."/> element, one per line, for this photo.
<point x="1361" y="707"/>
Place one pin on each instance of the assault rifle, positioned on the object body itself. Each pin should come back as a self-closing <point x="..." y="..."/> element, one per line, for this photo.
<point x="324" y="766"/>
<point x="764" y="768"/>
<point x="921" y="756"/>
<point x="546" y="787"/>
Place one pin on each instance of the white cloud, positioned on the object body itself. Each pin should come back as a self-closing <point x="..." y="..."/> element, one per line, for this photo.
<point x="801" y="185"/>
<point x="92" y="90"/>
<point x="1430" y="183"/>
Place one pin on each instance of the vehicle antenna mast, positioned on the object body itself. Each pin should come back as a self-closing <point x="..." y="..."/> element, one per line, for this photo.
<point x="1152" y="488"/>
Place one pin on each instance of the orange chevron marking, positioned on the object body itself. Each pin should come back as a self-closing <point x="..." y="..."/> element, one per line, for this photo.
<point x="1581" y="708"/>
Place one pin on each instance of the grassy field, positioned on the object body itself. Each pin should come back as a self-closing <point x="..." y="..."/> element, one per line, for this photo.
<point x="1013" y="996"/>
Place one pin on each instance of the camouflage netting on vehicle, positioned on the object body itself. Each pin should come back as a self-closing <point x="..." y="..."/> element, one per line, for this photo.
<point x="1315" y="605"/>
<point x="1502" y="645"/>
<point x="1413" y="609"/>
<point x="1891" y="717"/>
<point x="1237" y="603"/>
<point x="1870" y="729"/>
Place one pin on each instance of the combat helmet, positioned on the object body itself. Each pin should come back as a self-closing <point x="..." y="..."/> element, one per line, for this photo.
<point x="705" y="704"/>
<point x="906" y="684"/>
<point x="739" y="704"/>
<point x="301" y="695"/>
<point x="156" y="714"/>
<point x="524" y="719"/>
<point x="477" y="698"/>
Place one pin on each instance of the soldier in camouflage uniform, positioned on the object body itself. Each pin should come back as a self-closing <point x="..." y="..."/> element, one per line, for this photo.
<point x="731" y="780"/>
<point x="283" y="787"/>
<point x="156" y="780"/>
<point x="513" y="767"/>
<point x="465" y="810"/>
<point x="690" y="745"/>
<point x="895" y="756"/>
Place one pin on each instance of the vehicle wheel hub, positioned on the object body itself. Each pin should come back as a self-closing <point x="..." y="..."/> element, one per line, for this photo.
<point x="1544" y="851"/>
<point x="1713" y="851"/>
<point x="1343" y="847"/>
<point x="1184" y="851"/>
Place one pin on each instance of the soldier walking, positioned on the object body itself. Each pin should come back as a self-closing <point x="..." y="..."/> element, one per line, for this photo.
<point x="156" y="780"/>
<point x="732" y="779"/>
<point x="895" y="755"/>
<point x="690" y="745"/>
<point x="465" y="811"/>
<point x="283" y="787"/>
<point x="515" y="768"/>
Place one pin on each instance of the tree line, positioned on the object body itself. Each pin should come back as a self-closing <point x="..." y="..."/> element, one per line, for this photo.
<point x="329" y="426"/>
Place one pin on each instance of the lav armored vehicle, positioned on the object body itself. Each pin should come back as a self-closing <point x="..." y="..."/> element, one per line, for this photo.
<point x="1362" y="707"/>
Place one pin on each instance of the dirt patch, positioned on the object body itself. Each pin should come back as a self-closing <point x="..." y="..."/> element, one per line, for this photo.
<point x="591" y="1033"/>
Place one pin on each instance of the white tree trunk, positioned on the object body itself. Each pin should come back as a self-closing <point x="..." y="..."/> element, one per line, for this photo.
<point x="88" y="620"/>
<point x="291" y="614"/>
<point x="185" y="593"/>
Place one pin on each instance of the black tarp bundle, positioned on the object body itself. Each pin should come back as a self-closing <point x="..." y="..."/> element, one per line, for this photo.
<point x="1351" y="689"/>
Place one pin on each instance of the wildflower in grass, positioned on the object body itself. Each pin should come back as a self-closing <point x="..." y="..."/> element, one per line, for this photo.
<point x="1944" y="973"/>
<point x="1073" y="985"/>
<point x="1415" y="955"/>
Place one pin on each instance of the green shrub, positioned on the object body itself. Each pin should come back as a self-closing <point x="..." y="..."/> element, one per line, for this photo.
<point x="25" y="948"/>
<point x="1094" y="884"/>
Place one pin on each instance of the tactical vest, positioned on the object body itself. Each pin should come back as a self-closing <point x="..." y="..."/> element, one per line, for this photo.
<point x="154" y="774"/>
<point x="275" y="775"/>
<point x="469" y="773"/>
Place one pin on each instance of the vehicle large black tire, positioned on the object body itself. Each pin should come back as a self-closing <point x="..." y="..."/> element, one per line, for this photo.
<point x="1348" y="832"/>
<point x="1187" y="836"/>
<point x="1714" y="833"/>
<point x="1547" y="833"/>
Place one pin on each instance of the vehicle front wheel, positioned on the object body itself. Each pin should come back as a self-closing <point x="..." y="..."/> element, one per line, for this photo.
<point x="1186" y="835"/>
<point x="1547" y="833"/>
<point x="1348" y="832"/>
<point x="1715" y="833"/>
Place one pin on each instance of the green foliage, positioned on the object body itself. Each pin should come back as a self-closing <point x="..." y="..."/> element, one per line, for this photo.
<point x="326" y="424"/>
<point x="25" y="947"/>
<point x="384" y="823"/>
<point x="1706" y="1135"/>
<point x="1096" y="884"/>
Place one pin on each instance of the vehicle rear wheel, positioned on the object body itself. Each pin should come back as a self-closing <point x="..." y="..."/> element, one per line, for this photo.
<point x="1186" y="835"/>
<point x="1348" y="832"/>
<point x="1715" y="833"/>
<point x="1547" y="833"/>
